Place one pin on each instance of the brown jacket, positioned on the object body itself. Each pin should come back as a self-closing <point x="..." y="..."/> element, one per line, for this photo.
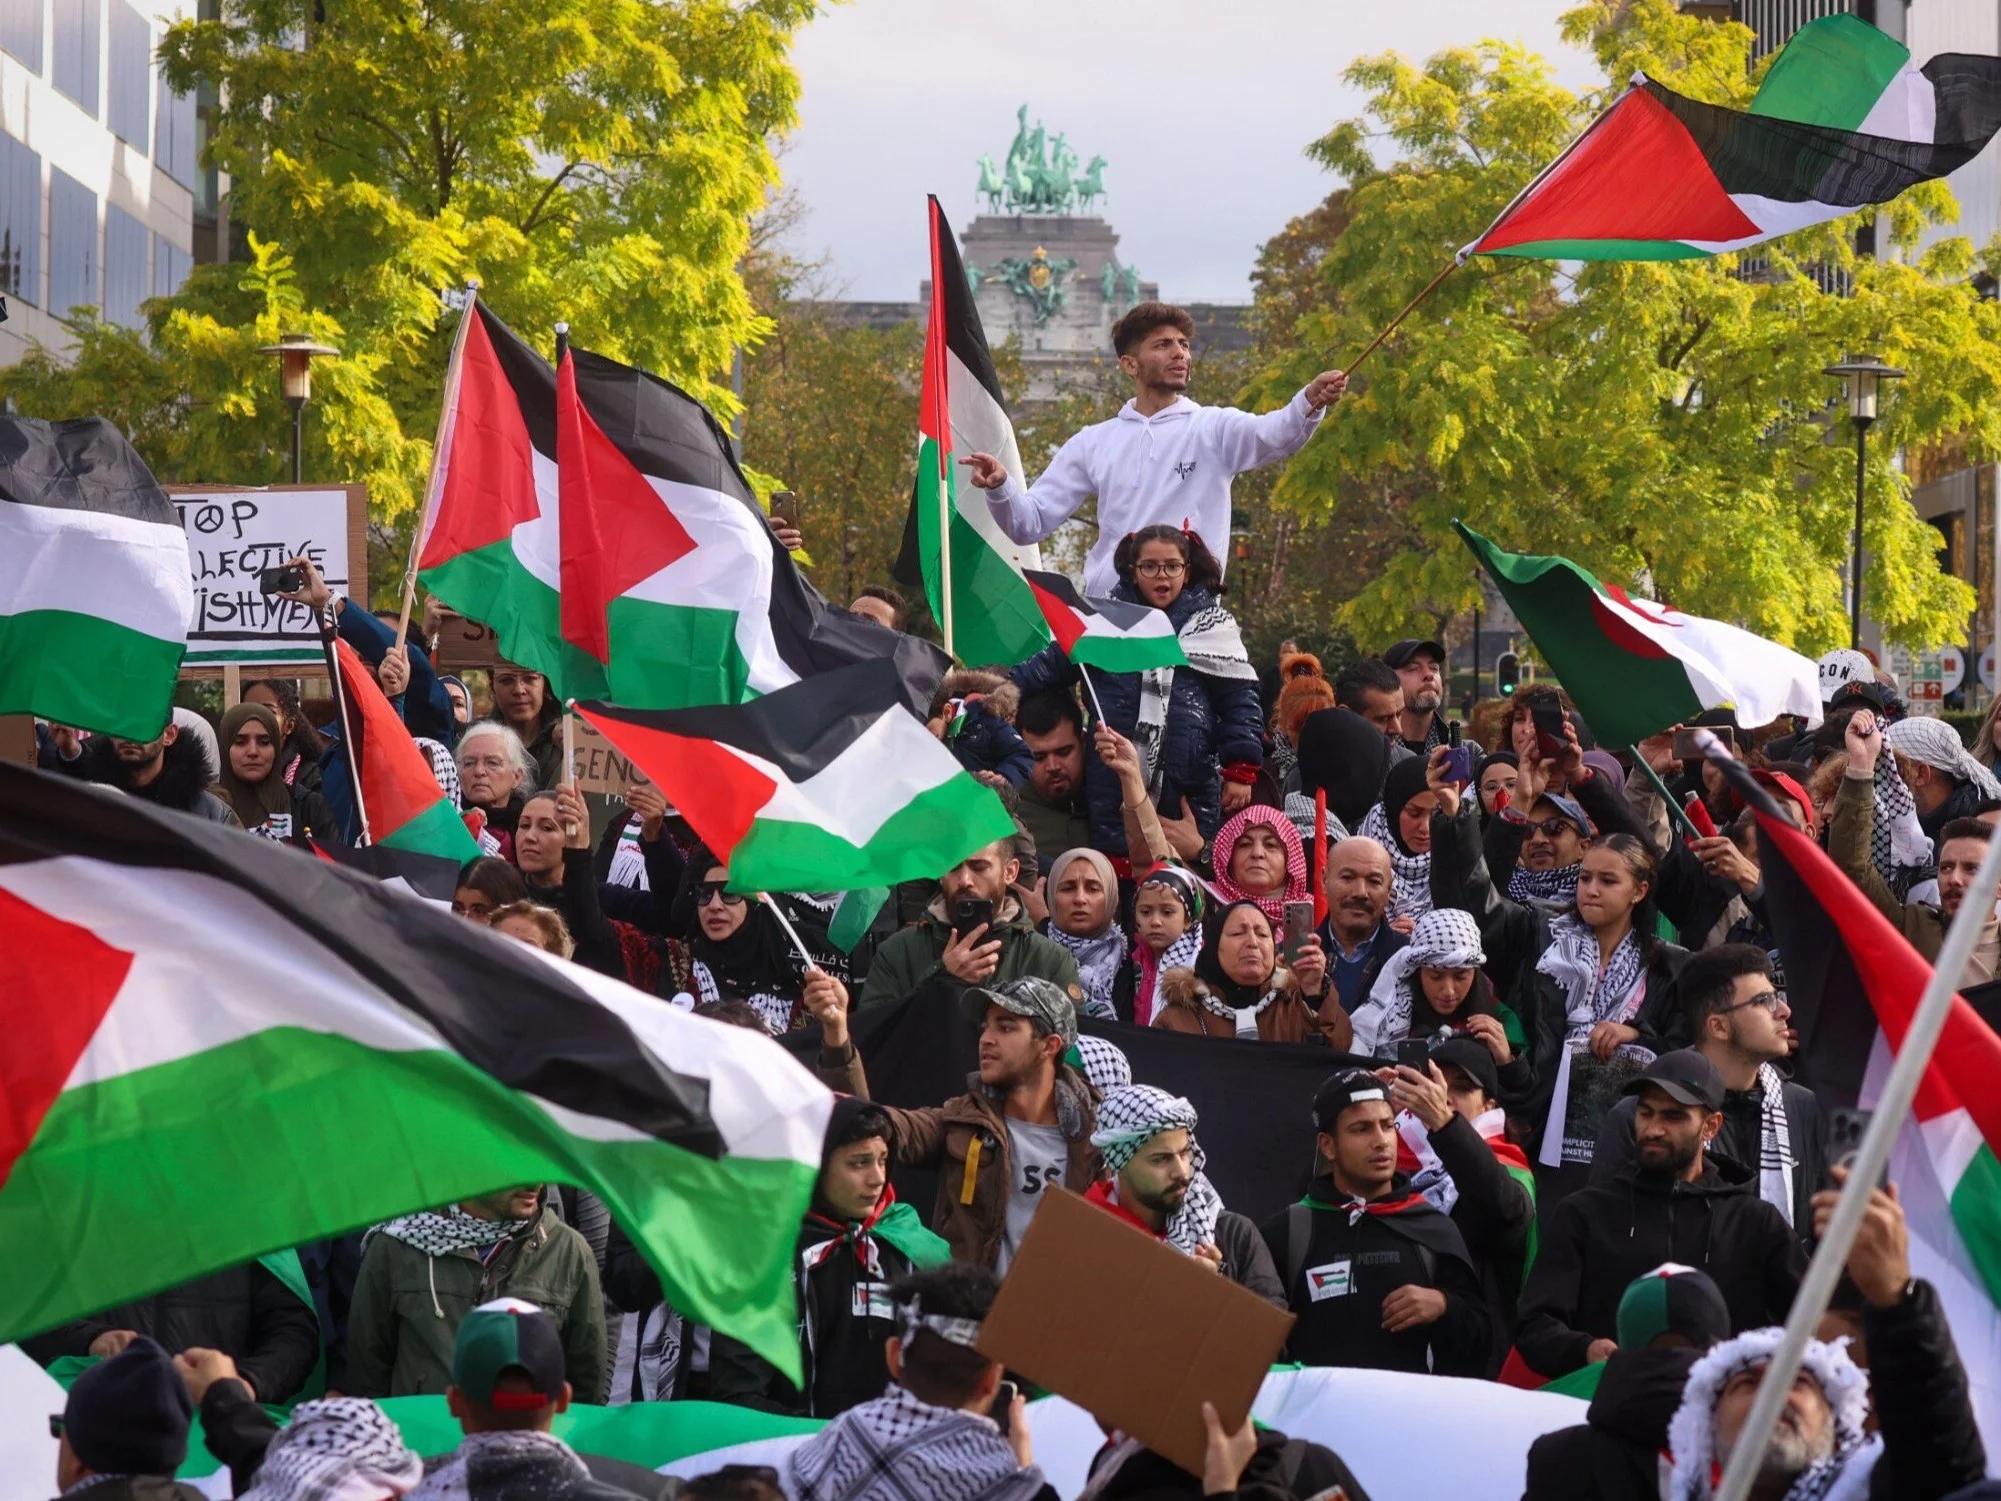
<point x="965" y="1140"/>
<point x="1289" y="1018"/>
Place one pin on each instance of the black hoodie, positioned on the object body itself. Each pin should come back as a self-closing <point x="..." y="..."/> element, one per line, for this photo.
<point x="1598" y="1239"/>
<point x="1614" y="1454"/>
<point x="182" y="783"/>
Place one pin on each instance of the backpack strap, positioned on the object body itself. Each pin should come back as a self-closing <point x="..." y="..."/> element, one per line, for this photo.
<point x="1298" y="1232"/>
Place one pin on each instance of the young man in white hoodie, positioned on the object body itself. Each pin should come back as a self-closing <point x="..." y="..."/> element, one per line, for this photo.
<point x="1163" y="460"/>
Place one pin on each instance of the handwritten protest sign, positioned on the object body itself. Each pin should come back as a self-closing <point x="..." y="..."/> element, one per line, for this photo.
<point x="234" y="534"/>
<point x="463" y="645"/>
<point x="597" y="765"/>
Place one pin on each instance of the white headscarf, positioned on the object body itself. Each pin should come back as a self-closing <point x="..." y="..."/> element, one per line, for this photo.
<point x="1936" y="744"/>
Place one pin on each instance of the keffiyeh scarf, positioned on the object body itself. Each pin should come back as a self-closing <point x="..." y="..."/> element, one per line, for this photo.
<point x="1895" y="838"/>
<point x="1214" y="646"/>
<point x="442" y="1232"/>
<point x="338" y="1449"/>
<point x="1098" y="960"/>
<point x="896" y="1448"/>
<point x="1572" y="961"/>
<point x="501" y="1465"/>
<point x="1775" y="1143"/>
<point x="1131" y="1116"/>
<point x="1556" y="887"/>
<point x="773" y="1010"/>
<point x="1410" y="875"/>
<point x="1103" y="1063"/>
<point x="443" y="767"/>
<point x="1444" y="936"/>
<point x="1179" y="954"/>
<point x="1842" y="1476"/>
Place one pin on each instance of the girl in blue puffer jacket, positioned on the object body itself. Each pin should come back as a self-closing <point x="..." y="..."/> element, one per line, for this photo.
<point x="1199" y="729"/>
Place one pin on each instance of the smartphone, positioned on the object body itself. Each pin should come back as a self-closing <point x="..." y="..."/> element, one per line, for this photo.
<point x="785" y="508"/>
<point x="1452" y="732"/>
<point x="969" y="912"/>
<point x="287" y="579"/>
<point x="1459" y="764"/>
<point x="1845" y="1130"/>
<point x="1298" y="927"/>
<point x="1549" y="723"/>
<point x="1004" y="1396"/>
<point x="1688" y="748"/>
<point x="1415" y="1052"/>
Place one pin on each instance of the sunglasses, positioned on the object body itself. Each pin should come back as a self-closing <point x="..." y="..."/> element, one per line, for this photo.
<point x="1549" y="828"/>
<point x="708" y="891"/>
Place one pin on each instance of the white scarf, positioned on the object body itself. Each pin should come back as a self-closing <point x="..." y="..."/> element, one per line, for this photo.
<point x="1592" y="996"/>
<point x="1214" y="645"/>
<point x="773" y="1010"/>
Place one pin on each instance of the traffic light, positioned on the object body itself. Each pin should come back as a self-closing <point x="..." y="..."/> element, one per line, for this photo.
<point x="1507" y="674"/>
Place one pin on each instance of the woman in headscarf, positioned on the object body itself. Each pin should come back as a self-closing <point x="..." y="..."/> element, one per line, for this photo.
<point x="250" y="745"/>
<point x="1167" y="932"/>
<point x="1435" y="983"/>
<point x="300" y="744"/>
<point x="1238" y="988"/>
<point x="1083" y="918"/>
<point x="1401" y="824"/>
<point x="1494" y="780"/>
<point x="1259" y="859"/>
<point x="736" y="950"/>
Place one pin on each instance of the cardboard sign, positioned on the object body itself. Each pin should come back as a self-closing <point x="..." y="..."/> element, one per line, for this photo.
<point x="598" y="765"/>
<point x="234" y="534"/>
<point x="1130" y="1329"/>
<point x="464" y="645"/>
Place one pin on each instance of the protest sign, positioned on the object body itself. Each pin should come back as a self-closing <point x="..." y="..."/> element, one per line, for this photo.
<point x="596" y="765"/>
<point x="463" y="645"/>
<point x="234" y="534"/>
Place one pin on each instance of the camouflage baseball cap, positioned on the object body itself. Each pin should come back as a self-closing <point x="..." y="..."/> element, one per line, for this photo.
<point x="1037" y="999"/>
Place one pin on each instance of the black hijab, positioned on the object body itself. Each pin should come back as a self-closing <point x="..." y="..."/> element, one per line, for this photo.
<point x="755" y="959"/>
<point x="1342" y="752"/>
<point x="1209" y="967"/>
<point x="1405" y="781"/>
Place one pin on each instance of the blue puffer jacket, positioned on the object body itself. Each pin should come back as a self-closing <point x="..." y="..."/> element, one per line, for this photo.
<point x="1211" y="722"/>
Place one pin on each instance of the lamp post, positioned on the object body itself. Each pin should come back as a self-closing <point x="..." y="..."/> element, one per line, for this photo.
<point x="1863" y="375"/>
<point x="295" y="354"/>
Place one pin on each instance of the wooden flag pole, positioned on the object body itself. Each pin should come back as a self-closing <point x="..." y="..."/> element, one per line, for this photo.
<point x="1408" y="308"/>
<point x="347" y="740"/>
<point x="446" y="416"/>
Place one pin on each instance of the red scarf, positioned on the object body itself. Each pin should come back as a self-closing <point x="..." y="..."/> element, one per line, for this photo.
<point x="1101" y="1195"/>
<point x="1509" y="1154"/>
<point x="854" y="1233"/>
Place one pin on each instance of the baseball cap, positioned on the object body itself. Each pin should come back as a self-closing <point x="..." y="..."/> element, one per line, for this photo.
<point x="1037" y="999"/>
<point x="1683" y="1075"/>
<point x="1844" y="671"/>
<point x="1472" y="1058"/>
<point x="508" y="1335"/>
<point x="1401" y="652"/>
<point x="1672" y="1299"/>
<point x="1352" y="1086"/>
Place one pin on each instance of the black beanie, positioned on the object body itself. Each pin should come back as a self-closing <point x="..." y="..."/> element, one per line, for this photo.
<point x="129" y="1415"/>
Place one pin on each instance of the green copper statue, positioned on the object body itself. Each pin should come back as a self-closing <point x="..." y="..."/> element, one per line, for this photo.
<point x="1040" y="175"/>
<point x="1045" y="283"/>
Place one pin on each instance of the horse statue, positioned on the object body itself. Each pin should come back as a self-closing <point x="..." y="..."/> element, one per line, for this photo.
<point x="992" y="184"/>
<point x="1091" y="186"/>
<point x="1056" y="190"/>
<point x="1021" y="187"/>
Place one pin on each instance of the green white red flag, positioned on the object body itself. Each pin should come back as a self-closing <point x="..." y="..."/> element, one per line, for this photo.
<point x="1634" y="667"/>
<point x="1108" y="634"/>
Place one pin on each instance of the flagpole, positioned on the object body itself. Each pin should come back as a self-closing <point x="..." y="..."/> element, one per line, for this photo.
<point x="945" y="511"/>
<point x="1676" y="811"/>
<point x="569" y="706"/>
<point x="347" y="740"/>
<point x="1096" y="707"/>
<point x="1892" y="1110"/>
<point x="431" y="481"/>
<point x="1408" y="308"/>
<point x="790" y="931"/>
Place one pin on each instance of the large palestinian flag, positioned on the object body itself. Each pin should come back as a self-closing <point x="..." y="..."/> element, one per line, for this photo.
<point x="1108" y="634"/>
<point x="991" y="616"/>
<point x="1854" y="983"/>
<point x="829" y="785"/>
<point x="596" y="519"/>
<point x="1634" y="667"/>
<point x="403" y="804"/>
<point x="1842" y="121"/>
<point x="95" y="590"/>
<point x="216" y="1047"/>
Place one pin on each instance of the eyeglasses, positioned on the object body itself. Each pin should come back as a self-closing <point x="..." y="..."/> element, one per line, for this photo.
<point x="1158" y="570"/>
<point x="1550" y="828"/>
<point x="709" y="891"/>
<point x="1771" y="1000"/>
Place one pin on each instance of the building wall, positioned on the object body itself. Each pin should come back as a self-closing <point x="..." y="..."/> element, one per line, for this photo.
<point x="98" y="176"/>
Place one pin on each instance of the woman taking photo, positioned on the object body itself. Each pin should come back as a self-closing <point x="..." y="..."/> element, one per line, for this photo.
<point x="1238" y="989"/>
<point x="1200" y="728"/>
<point x="251" y="745"/>
<point x="1435" y="984"/>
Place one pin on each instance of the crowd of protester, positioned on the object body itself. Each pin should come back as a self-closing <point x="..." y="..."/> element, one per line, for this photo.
<point x="1556" y="1130"/>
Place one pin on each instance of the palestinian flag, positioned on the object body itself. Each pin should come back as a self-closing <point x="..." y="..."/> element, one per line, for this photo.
<point x="992" y="615"/>
<point x="828" y="785"/>
<point x="403" y="807"/>
<point x="158" y="1083"/>
<point x="1854" y="983"/>
<point x="95" y="586"/>
<point x="1105" y="633"/>
<point x="1842" y="121"/>
<point x="1634" y="667"/>
<point x="595" y="518"/>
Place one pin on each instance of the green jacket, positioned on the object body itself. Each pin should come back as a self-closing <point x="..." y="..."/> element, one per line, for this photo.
<point x="909" y="961"/>
<point x="408" y="1304"/>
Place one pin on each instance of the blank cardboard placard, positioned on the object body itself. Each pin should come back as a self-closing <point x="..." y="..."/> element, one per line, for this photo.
<point x="1130" y="1329"/>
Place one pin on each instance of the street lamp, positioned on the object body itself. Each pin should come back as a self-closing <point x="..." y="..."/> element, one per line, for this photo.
<point x="1864" y="376"/>
<point x="295" y="354"/>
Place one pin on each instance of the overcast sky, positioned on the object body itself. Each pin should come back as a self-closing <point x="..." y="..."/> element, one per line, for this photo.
<point x="1201" y="108"/>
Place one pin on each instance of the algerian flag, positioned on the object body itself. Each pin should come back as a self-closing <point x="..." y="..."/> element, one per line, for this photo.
<point x="192" y="1017"/>
<point x="1842" y="121"/>
<point x="95" y="588"/>
<point x="1108" y="634"/>
<point x="829" y="784"/>
<point x="1634" y="667"/>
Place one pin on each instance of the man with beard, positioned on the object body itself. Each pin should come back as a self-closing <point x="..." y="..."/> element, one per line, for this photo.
<point x="167" y="770"/>
<point x="1359" y="942"/>
<point x="1673" y="1203"/>
<point x="936" y="959"/>
<point x="1378" y="1278"/>
<point x="1155" y="1183"/>
<point x="1925" y="1443"/>
<point x="1052" y="802"/>
<point x="1420" y="666"/>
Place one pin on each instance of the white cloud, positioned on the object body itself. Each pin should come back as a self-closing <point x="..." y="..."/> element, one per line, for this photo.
<point x="1202" y="110"/>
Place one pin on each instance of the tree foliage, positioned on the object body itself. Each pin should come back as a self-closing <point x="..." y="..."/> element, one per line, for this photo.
<point x="1665" y="424"/>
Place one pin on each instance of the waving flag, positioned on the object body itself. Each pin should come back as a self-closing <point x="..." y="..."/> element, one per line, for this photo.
<point x="407" y="809"/>
<point x="1108" y="634"/>
<point x="1842" y="121"/>
<point x="1634" y="667"/>
<point x="829" y="785"/>
<point x="389" y="1055"/>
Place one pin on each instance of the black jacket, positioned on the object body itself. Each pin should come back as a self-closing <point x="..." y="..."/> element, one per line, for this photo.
<point x="1614" y="1454"/>
<point x="1924" y="1411"/>
<point x="1495" y="1215"/>
<point x="1348" y="1263"/>
<point x="1281" y="1469"/>
<point x="1598" y="1239"/>
<point x="182" y="784"/>
<point x="245" y="1312"/>
<point x="1246" y="1261"/>
<point x="1806" y="1128"/>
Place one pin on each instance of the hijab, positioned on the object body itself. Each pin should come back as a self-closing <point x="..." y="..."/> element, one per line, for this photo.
<point x="255" y="803"/>
<point x="1099" y="955"/>
<point x="1410" y="873"/>
<point x="1228" y="996"/>
<point x="1180" y="954"/>
<point x="1294" y="887"/>
<point x="755" y="959"/>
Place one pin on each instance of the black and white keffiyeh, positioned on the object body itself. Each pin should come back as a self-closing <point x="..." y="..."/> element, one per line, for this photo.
<point x="773" y="1010"/>
<point x="897" y="1448"/>
<point x="500" y="1465"/>
<point x="1445" y="936"/>
<point x="1098" y="960"/>
<point x="440" y="1232"/>
<point x="1214" y="645"/>
<point x="1775" y="1143"/>
<point x="444" y="767"/>
<point x="1410" y="875"/>
<point x="1572" y="961"/>
<point x="1131" y="1116"/>
<point x="1842" y="1476"/>
<point x="1895" y="837"/>
<point x="1103" y="1063"/>
<point x="1544" y="888"/>
<point x="336" y="1449"/>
